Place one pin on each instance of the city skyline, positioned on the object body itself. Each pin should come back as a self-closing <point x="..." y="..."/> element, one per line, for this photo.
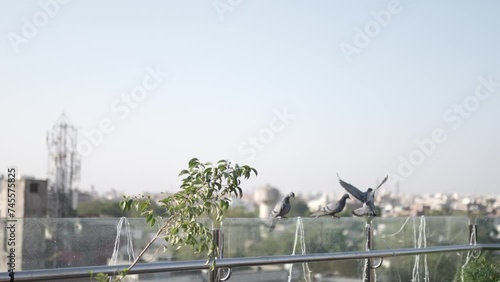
<point x="301" y="92"/>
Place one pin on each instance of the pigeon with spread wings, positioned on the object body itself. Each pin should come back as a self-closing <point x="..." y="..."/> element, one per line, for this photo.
<point x="367" y="198"/>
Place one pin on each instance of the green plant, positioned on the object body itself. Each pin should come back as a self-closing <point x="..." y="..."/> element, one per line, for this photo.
<point x="206" y="190"/>
<point x="481" y="269"/>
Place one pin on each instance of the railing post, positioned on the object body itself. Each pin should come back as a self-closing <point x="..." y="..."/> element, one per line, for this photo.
<point x="218" y="238"/>
<point x="369" y="272"/>
<point x="472" y="230"/>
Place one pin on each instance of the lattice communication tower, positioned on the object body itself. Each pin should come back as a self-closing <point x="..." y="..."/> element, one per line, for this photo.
<point x="63" y="167"/>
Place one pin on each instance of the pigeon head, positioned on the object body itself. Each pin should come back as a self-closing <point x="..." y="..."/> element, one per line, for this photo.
<point x="291" y="195"/>
<point x="369" y="190"/>
<point x="345" y="196"/>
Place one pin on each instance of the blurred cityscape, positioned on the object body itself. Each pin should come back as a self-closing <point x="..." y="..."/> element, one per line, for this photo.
<point x="64" y="230"/>
<point x="58" y="195"/>
<point x="255" y="203"/>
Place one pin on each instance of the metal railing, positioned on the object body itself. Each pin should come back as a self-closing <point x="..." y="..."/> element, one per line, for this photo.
<point x="83" y="272"/>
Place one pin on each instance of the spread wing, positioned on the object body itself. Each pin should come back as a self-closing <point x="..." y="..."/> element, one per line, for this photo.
<point x="353" y="190"/>
<point x="381" y="183"/>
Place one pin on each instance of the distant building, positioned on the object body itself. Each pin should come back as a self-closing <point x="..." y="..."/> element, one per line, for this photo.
<point x="31" y="197"/>
<point x="266" y="197"/>
<point x="30" y="202"/>
<point x="318" y="203"/>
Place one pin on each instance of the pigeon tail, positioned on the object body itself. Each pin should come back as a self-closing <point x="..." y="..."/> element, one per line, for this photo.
<point x="273" y="225"/>
<point x="318" y="213"/>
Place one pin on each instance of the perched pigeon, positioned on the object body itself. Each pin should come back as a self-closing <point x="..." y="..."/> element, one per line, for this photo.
<point x="367" y="198"/>
<point x="281" y="209"/>
<point x="332" y="208"/>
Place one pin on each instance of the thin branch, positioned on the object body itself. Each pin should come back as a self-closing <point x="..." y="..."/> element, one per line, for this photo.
<point x="148" y="245"/>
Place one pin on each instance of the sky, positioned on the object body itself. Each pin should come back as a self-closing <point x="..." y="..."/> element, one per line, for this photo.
<point x="299" y="90"/>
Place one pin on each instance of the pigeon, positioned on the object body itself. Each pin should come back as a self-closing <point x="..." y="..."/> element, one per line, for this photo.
<point x="332" y="208"/>
<point x="367" y="198"/>
<point x="281" y="209"/>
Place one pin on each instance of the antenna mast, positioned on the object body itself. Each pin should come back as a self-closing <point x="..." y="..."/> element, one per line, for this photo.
<point x="63" y="168"/>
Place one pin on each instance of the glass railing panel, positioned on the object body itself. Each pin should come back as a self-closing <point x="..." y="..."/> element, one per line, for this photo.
<point x="269" y="273"/>
<point x="245" y="237"/>
<point x="72" y="242"/>
<point x="329" y="235"/>
<point x="175" y="276"/>
<point x="395" y="233"/>
<point x="488" y="229"/>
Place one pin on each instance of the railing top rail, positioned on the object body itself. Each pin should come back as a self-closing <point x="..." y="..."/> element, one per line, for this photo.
<point x="81" y="272"/>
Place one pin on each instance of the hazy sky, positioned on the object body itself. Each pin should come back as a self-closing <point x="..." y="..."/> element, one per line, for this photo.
<point x="300" y="90"/>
